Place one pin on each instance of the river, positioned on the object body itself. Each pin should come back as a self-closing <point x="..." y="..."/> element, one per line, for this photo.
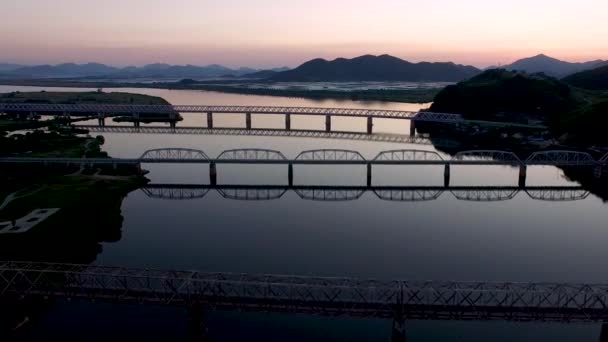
<point x="448" y="238"/>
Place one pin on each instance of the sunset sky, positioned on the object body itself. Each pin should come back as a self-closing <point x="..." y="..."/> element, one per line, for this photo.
<point x="265" y="33"/>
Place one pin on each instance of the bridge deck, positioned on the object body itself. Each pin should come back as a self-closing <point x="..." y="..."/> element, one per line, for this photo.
<point x="312" y="295"/>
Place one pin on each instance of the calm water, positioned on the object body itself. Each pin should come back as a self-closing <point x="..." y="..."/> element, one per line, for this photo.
<point x="445" y="239"/>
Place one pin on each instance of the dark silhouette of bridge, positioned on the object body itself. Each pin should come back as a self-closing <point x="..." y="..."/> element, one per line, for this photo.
<point x="248" y="192"/>
<point x="101" y="111"/>
<point x="334" y="157"/>
<point x="396" y="300"/>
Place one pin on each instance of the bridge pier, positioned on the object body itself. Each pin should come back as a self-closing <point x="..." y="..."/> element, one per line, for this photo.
<point x="248" y="120"/>
<point x="101" y="118"/>
<point x="369" y="174"/>
<point x="412" y="128"/>
<point x="173" y="124"/>
<point x="209" y="120"/>
<point x="136" y="119"/>
<point x="446" y="176"/>
<point x="328" y="123"/>
<point x="604" y="332"/>
<point x="212" y="173"/>
<point x="523" y="171"/>
<point x="370" y="125"/>
<point x="288" y="122"/>
<point x="290" y="174"/>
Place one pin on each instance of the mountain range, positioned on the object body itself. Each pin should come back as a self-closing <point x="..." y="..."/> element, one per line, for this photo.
<point x="96" y="70"/>
<point x="552" y="66"/>
<point x="375" y="68"/>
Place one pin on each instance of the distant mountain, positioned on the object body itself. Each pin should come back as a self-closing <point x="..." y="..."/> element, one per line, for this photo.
<point x="63" y="70"/>
<point x="596" y="79"/>
<point x="375" y="68"/>
<point x="96" y="70"/>
<point x="9" y="66"/>
<point x="551" y="66"/>
<point x="265" y="74"/>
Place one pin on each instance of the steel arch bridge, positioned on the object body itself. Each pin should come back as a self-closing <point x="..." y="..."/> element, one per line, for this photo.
<point x="426" y="300"/>
<point x="335" y="193"/>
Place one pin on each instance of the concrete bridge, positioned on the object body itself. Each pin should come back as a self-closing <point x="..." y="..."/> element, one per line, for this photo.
<point x="333" y="193"/>
<point x="102" y="111"/>
<point x="396" y="300"/>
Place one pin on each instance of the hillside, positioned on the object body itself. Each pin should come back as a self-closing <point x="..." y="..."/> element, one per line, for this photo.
<point x="551" y="66"/>
<point x="596" y="79"/>
<point x="375" y="68"/>
<point x="501" y="95"/>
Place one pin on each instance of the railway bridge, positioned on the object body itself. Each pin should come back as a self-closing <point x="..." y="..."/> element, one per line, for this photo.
<point x="171" y="112"/>
<point x="397" y="300"/>
<point x="258" y="156"/>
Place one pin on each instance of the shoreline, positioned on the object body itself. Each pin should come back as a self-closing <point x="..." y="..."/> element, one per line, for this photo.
<point x="419" y="96"/>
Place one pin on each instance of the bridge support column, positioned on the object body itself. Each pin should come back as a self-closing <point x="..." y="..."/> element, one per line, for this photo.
<point x="523" y="172"/>
<point x="248" y="120"/>
<point x="446" y="176"/>
<point x="288" y="121"/>
<point x="412" y="128"/>
<point x="290" y="174"/>
<point x="370" y="125"/>
<point x="212" y="173"/>
<point x="136" y="119"/>
<point x="101" y="118"/>
<point x="369" y="174"/>
<point x="114" y="166"/>
<point x="328" y="123"/>
<point x="209" y="120"/>
<point x="172" y="120"/>
<point x="197" y="327"/>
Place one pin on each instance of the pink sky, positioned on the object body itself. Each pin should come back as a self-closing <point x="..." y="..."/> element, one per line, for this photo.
<point x="265" y="33"/>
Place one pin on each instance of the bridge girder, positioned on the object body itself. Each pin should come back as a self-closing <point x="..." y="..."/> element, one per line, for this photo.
<point x="437" y="300"/>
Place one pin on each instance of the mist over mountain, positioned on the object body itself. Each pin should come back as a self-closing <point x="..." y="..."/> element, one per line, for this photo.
<point x="551" y="66"/>
<point x="156" y="70"/>
<point x="375" y="68"/>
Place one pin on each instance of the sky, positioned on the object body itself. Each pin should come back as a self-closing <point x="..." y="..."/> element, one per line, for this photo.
<point x="272" y="33"/>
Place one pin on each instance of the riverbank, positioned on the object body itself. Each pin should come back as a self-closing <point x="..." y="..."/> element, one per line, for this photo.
<point x="413" y="95"/>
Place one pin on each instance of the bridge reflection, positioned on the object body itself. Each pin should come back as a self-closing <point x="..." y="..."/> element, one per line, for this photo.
<point x="248" y="192"/>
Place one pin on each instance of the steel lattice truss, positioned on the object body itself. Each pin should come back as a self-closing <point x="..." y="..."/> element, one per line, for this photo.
<point x="175" y="193"/>
<point x="312" y="295"/>
<point x="109" y="109"/>
<point x="419" y="195"/>
<point x="330" y="195"/>
<point x="408" y="155"/>
<point x="269" y="132"/>
<point x="174" y="154"/>
<point x="330" y="155"/>
<point x="481" y="195"/>
<point x="251" y="154"/>
<point x="558" y="196"/>
<point x="562" y="158"/>
<point x="249" y="194"/>
<point x="349" y="193"/>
